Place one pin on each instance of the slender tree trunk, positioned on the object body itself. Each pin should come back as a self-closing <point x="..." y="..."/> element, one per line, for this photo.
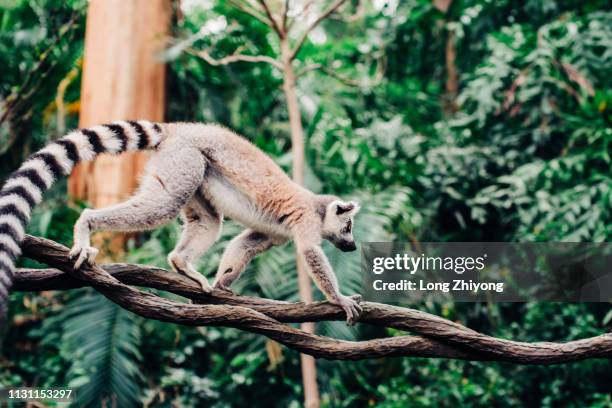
<point x="122" y="79"/>
<point x="309" y="369"/>
<point x="452" y="77"/>
<point x="295" y="120"/>
<point x="450" y="56"/>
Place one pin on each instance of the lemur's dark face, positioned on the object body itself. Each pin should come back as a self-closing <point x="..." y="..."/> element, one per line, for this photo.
<point x="338" y="224"/>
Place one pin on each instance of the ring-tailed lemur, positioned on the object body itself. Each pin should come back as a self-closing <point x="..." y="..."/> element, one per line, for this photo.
<point x="202" y="171"/>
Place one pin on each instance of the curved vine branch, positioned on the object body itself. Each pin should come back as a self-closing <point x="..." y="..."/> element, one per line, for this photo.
<point x="437" y="337"/>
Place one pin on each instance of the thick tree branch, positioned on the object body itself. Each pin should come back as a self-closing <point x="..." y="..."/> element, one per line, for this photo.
<point x="154" y="307"/>
<point x="442" y="338"/>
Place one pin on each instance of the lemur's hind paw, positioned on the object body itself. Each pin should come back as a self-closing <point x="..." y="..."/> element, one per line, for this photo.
<point x="83" y="254"/>
<point x="350" y="305"/>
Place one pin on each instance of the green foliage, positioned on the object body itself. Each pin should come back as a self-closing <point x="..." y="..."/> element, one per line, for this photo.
<point x="40" y="42"/>
<point x="529" y="151"/>
<point x="101" y="340"/>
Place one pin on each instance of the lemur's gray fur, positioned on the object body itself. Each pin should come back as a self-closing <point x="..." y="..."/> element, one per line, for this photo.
<point x="204" y="172"/>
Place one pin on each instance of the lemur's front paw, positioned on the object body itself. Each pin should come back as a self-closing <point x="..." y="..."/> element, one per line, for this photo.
<point x="206" y="288"/>
<point x="356" y="298"/>
<point x="83" y="254"/>
<point x="198" y="277"/>
<point x="184" y="268"/>
<point x="350" y="305"/>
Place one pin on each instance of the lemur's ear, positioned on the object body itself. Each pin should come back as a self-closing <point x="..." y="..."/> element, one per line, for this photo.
<point x="350" y="207"/>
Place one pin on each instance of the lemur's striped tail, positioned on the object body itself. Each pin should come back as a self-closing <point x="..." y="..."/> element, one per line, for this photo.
<point x="25" y="187"/>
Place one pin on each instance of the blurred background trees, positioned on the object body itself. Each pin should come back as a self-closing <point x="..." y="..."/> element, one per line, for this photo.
<point x="454" y="120"/>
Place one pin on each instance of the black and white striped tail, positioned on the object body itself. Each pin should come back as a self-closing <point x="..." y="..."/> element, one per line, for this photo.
<point x="25" y="187"/>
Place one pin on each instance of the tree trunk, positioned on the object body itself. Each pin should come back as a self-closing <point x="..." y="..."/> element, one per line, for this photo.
<point x="295" y="120"/>
<point x="309" y="369"/>
<point x="122" y="79"/>
<point x="452" y="77"/>
<point x="450" y="56"/>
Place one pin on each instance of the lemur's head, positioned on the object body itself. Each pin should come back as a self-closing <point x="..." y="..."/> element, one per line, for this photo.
<point x="337" y="225"/>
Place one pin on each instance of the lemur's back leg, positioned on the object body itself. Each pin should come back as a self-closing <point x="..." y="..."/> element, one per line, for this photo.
<point x="239" y="253"/>
<point x="171" y="178"/>
<point x="201" y="228"/>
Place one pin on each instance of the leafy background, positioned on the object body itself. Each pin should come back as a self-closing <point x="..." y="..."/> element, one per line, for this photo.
<point x="520" y="152"/>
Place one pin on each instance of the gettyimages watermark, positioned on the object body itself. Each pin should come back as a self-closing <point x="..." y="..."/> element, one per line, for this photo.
<point x="487" y="271"/>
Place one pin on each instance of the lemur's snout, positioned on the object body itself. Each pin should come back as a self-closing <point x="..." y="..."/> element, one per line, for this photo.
<point x="347" y="246"/>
